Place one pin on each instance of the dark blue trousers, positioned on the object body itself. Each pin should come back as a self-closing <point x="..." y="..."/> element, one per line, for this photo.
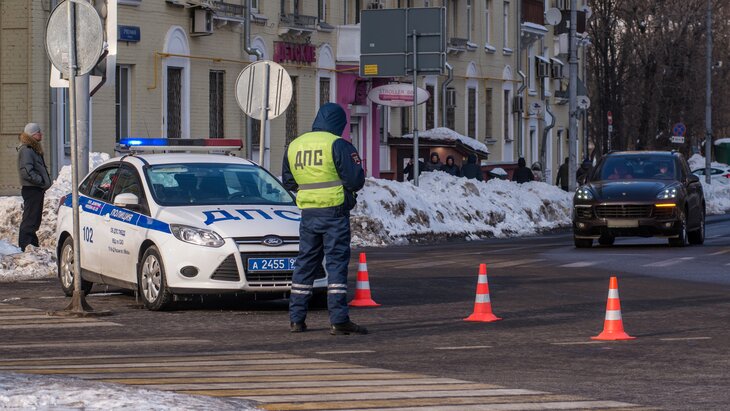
<point x="322" y="235"/>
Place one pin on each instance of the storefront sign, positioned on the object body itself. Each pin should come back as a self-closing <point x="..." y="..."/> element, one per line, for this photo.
<point x="294" y="52"/>
<point x="129" y="33"/>
<point x="397" y="95"/>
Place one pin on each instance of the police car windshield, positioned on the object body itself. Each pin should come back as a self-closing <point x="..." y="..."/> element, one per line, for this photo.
<point x="215" y="184"/>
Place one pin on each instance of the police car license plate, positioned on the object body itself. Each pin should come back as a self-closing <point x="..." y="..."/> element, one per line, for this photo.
<point x="271" y="264"/>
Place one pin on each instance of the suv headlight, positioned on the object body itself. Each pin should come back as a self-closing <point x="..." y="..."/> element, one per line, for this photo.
<point x="668" y="193"/>
<point x="197" y="236"/>
<point x="583" y="193"/>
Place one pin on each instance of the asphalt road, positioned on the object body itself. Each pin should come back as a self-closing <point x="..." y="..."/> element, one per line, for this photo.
<point x="551" y="297"/>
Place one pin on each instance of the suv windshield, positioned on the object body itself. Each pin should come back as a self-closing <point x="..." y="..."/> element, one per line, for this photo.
<point x="215" y="184"/>
<point x="632" y="167"/>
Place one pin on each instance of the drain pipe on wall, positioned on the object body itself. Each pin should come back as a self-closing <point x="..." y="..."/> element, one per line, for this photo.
<point x="520" y="90"/>
<point x="545" y="131"/>
<point x="444" y="86"/>
<point x="251" y="51"/>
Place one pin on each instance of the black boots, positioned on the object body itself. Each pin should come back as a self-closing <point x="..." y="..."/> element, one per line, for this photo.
<point x="347" y="328"/>
<point x="297" y="327"/>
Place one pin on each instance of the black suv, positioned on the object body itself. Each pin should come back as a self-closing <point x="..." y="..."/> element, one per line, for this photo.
<point x="640" y="194"/>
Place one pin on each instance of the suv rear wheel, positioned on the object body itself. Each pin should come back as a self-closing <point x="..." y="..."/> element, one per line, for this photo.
<point x="698" y="236"/>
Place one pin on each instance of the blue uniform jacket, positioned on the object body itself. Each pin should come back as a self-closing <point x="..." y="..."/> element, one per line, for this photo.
<point x="331" y="118"/>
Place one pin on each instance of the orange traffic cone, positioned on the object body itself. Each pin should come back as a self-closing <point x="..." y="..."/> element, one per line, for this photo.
<point x="482" y="304"/>
<point x="362" y="291"/>
<point x="613" y="326"/>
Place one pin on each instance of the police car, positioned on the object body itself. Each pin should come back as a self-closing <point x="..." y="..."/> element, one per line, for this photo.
<point x="171" y="224"/>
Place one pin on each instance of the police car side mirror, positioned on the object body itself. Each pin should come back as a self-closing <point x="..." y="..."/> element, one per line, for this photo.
<point x="127" y="200"/>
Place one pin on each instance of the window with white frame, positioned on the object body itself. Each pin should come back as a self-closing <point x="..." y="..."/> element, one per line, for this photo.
<point x="505" y="24"/>
<point x="531" y="62"/>
<point x="122" y="101"/>
<point x="488" y="113"/>
<point x="324" y="90"/>
<point x="469" y="21"/>
<point x="487" y="21"/>
<point x="322" y="10"/>
<point x="505" y="114"/>
<point x="430" y="107"/>
<point x="471" y="112"/>
<point x="255" y="5"/>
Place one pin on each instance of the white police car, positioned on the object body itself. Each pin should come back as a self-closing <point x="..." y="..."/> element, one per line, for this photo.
<point x="181" y="223"/>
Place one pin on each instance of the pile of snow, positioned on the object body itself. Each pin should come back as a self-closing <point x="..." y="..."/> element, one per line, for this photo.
<point x="717" y="196"/>
<point x="35" y="392"/>
<point x="443" y="206"/>
<point x="447" y="134"/>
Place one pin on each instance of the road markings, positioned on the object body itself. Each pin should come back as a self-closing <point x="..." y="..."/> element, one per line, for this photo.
<point x="725" y="251"/>
<point x="289" y="382"/>
<point x="510" y="407"/>
<point x="578" y="343"/>
<point x="21" y="318"/>
<point x="685" y="338"/>
<point x="667" y="263"/>
<point x="466" y="347"/>
<point x="106" y="343"/>
<point x="512" y="263"/>
<point x="580" y="264"/>
<point x="344" y="352"/>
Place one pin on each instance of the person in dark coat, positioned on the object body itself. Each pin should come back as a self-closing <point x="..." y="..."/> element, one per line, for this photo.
<point x="522" y="174"/>
<point x="471" y="169"/>
<point x="326" y="172"/>
<point x="562" y="179"/>
<point x="582" y="174"/>
<point x="408" y="170"/>
<point x="450" y="167"/>
<point x="34" y="180"/>
<point x="434" y="163"/>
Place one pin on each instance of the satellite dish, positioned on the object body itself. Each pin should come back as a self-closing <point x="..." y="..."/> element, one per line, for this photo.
<point x="583" y="102"/>
<point x="553" y="16"/>
<point x="89" y="38"/>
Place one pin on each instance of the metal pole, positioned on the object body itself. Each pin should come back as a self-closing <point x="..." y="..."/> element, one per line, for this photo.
<point x="415" y="110"/>
<point x="82" y="123"/>
<point x="572" y="91"/>
<point x="520" y="91"/>
<point x="74" y="148"/>
<point x="708" y="94"/>
<point x="264" y="115"/>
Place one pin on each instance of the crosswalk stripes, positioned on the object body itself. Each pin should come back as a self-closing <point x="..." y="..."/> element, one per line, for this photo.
<point x="280" y="381"/>
<point x="20" y="318"/>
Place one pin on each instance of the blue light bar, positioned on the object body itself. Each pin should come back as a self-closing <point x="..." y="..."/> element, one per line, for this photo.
<point x="143" y="142"/>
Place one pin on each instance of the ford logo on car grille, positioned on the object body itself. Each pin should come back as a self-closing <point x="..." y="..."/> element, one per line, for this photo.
<point x="272" y="241"/>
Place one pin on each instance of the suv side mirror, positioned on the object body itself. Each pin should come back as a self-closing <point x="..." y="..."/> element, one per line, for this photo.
<point x="127" y="200"/>
<point x="692" y="178"/>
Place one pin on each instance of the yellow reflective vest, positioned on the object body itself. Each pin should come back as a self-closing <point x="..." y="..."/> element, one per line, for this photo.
<point x="313" y="167"/>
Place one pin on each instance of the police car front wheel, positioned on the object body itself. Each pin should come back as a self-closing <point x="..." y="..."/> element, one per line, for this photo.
<point x="152" y="281"/>
<point x="66" y="269"/>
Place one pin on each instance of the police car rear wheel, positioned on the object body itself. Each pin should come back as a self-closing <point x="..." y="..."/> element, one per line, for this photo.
<point x="152" y="281"/>
<point x="66" y="269"/>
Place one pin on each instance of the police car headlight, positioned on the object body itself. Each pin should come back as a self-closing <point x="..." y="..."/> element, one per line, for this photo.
<point x="197" y="236"/>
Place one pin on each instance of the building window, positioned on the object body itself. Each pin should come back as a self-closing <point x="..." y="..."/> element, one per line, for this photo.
<point x="383" y="113"/>
<point x="255" y="134"/>
<point x="531" y="69"/>
<point x="487" y="21"/>
<point x="505" y="115"/>
<point x="64" y="127"/>
<point x="324" y="90"/>
<point x="322" y="10"/>
<point x="352" y="11"/>
<point x="217" y="86"/>
<point x="430" y="108"/>
<point x="122" y="101"/>
<point x="255" y="5"/>
<point x="174" y="102"/>
<point x="471" y="113"/>
<point x="405" y="120"/>
<point x="505" y="34"/>
<point x="488" y="113"/>
<point x="451" y="111"/>
<point x="292" y="130"/>
<point x="469" y="22"/>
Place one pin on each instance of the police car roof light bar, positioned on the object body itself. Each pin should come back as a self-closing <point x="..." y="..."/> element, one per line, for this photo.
<point x="169" y="144"/>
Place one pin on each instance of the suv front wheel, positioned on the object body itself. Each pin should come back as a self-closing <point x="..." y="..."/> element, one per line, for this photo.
<point x="681" y="239"/>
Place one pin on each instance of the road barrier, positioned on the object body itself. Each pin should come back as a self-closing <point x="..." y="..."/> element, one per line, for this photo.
<point x="362" y="290"/>
<point x="613" y="326"/>
<point x="482" y="304"/>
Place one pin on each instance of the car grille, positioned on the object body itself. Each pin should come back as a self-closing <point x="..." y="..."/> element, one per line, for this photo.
<point x="664" y="212"/>
<point x="227" y="271"/>
<point x="584" y="213"/>
<point x="624" y="211"/>
<point x="259" y="240"/>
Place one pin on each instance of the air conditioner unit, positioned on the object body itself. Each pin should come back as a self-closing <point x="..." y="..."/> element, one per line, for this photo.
<point x="450" y="97"/>
<point x="517" y="104"/>
<point x="543" y="68"/>
<point x="375" y="5"/>
<point x="202" y="22"/>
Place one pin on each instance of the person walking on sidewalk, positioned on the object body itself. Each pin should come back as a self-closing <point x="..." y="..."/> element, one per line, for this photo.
<point x="522" y="174"/>
<point x="326" y="172"/>
<point x="34" y="180"/>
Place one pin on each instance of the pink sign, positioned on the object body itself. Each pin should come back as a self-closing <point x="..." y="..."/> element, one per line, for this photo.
<point x="294" y="52"/>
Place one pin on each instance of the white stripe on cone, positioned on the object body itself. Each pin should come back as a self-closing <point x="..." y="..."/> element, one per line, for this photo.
<point x="362" y="266"/>
<point x="613" y="315"/>
<point x="613" y="293"/>
<point x="363" y="285"/>
<point x="482" y="298"/>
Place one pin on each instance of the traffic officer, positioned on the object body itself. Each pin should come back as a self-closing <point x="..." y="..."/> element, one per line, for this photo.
<point x="326" y="172"/>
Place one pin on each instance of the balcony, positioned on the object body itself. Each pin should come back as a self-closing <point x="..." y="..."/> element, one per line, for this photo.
<point x="296" y="24"/>
<point x="228" y="11"/>
<point x="456" y="45"/>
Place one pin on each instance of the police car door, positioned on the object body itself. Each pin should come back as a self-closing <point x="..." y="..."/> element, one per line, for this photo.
<point x="122" y="236"/>
<point x="94" y="198"/>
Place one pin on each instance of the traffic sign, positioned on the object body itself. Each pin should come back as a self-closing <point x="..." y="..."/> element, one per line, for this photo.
<point x="679" y="129"/>
<point x="88" y="38"/>
<point x="610" y="118"/>
<point x="677" y="139"/>
<point x="397" y="95"/>
<point x="252" y="90"/>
